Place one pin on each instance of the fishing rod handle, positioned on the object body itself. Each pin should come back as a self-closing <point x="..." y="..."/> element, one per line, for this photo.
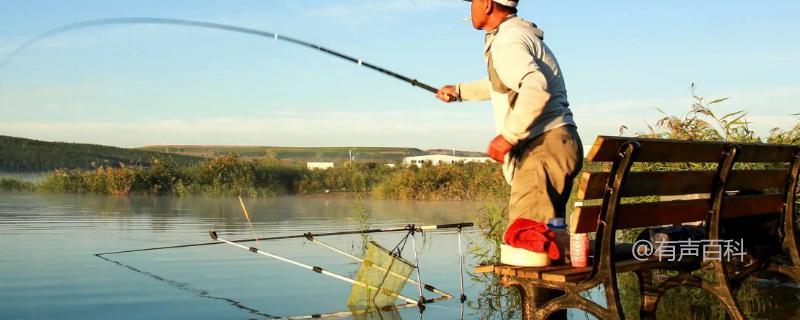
<point x="423" y="85"/>
<point x="448" y="226"/>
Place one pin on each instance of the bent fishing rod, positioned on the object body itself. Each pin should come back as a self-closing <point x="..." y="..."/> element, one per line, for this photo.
<point x="307" y="235"/>
<point x="215" y="26"/>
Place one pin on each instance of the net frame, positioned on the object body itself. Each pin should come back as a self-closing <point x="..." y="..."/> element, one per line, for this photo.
<point x="385" y="275"/>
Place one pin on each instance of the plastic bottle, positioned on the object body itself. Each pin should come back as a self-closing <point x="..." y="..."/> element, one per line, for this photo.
<point x="562" y="237"/>
<point x="579" y="250"/>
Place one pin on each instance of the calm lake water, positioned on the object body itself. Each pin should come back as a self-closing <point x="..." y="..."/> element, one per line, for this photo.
<point x="48" y="269"/>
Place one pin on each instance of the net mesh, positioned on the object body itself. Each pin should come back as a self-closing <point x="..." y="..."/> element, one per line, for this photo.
<point x="376" y="314"/>
<point x="383" y="275"/>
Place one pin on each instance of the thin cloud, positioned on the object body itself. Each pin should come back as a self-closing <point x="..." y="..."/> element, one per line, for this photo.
<point x="425" y="130"/>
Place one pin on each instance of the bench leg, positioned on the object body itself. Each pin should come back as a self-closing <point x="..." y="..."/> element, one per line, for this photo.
<point x="789" y="271"/>
<point x="540" y="296"/>
<point x="533" y="298"/>
<point x="551" y="301"/>
<point x="574" y="300"/>
<point x="725" y="295"/>
<point x="720" y="289"/>
<point x="647" y="294"/>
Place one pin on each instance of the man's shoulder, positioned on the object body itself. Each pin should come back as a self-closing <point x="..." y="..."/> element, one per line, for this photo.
<point x="517" y="29"/>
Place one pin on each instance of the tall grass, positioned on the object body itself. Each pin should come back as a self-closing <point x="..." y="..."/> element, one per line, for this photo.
<point x="355" y="177"/>
<point x="222" y="176"/>
<point x="459" y="181"/>
<point x="12" y="184"/>
<point x="232" y="175"/>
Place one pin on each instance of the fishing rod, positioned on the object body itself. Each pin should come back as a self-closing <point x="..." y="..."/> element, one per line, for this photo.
<point x="216" y="26"/>
<point x="416" y="260"/>
<point x="463" y="297"/>
<point x="306" y="235"/>
<point x="316" y="269"/>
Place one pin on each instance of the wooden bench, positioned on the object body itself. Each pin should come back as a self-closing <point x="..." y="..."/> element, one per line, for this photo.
<point x="708" y="188"/>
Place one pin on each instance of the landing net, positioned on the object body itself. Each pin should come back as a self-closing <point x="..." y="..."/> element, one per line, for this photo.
<point x="385" y="274"/>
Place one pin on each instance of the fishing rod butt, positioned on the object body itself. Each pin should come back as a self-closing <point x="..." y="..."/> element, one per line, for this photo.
<point x="213" y="234"/>
<point x="448" y="226"/>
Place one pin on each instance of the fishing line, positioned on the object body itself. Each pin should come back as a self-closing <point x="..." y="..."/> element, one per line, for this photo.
<point x="216" y="26"/>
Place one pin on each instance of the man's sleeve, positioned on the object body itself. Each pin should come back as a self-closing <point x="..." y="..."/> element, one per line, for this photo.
<point x="474" y="91"/>
<point x="516" y="68"/>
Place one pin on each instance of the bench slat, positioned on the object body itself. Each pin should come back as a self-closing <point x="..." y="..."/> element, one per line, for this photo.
<point x="563" y="272"/>
<point x="584" y="219"/>
<point x="660" y="183"/>
<point x="661" y="150"/>
<point x="536" y="273"/>
<point x="577" y="274"/>
<point x="567" y="275"/>
<point x="484" y="268"/>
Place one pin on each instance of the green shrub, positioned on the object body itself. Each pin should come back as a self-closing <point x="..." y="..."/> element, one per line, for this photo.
<point x="222" y="176"/>
<point x="354" y="177"/>
<point x="458" y="181"/>
<point x="13" y="184"/>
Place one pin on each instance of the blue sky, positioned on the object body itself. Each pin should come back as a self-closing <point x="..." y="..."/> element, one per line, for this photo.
<point x="135" y="85"/>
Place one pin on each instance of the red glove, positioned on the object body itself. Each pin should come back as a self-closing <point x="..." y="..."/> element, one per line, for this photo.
<point x="532" y="235"/>
<point x="498" y="148"/>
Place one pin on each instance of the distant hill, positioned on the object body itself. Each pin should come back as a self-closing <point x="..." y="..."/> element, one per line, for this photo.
<point x="456" y="153"/>
<point x="322" y="154"/>
<point x="27" y="155"/>
<point x="23" y="155"/>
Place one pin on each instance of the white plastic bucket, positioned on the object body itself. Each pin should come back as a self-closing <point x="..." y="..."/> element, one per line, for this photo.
<point x="522" y="258"/>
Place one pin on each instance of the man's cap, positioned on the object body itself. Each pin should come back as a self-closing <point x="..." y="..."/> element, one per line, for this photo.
<point x="507" y="3"/>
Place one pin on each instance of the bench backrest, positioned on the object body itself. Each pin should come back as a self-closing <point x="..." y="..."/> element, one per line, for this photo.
<point x="763" y="188"/>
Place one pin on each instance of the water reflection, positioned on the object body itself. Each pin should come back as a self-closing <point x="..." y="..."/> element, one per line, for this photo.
<point x="70" y="282"/>
<point x="48" y="270"/>
<point x="187" y="287"/>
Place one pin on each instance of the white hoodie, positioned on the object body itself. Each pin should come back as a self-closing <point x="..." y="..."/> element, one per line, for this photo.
<point x="525" y="85"/>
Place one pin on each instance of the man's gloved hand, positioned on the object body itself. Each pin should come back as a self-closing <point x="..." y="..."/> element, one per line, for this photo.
<point x="447" y="94"/>
<point x="498" y="148"/>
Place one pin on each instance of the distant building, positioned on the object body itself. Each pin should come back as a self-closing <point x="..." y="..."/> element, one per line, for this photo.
<point x="437" y="159"/>
<point x="319" y="165"/>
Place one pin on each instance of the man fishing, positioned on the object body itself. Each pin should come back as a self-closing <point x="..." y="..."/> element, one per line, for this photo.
<point x="537" y="141"/>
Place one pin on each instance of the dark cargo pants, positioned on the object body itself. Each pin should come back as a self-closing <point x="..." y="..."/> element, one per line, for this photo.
<point x="544" y="173"/>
